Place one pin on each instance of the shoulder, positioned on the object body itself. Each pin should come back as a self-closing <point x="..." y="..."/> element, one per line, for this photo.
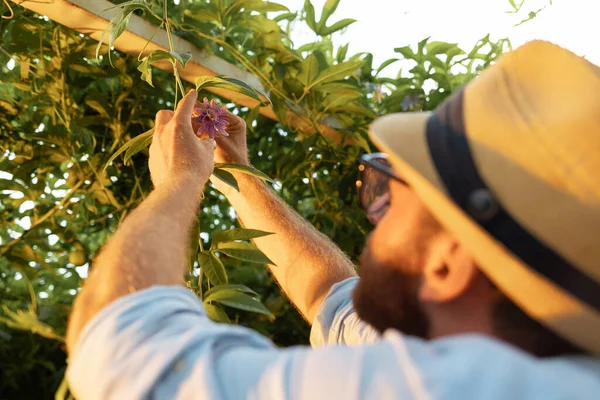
<point x="477" y="366"/>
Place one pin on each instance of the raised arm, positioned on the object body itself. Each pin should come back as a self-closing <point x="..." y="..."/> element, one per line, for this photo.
<point x="307" y="262"/>
<point x="149" y="248"/>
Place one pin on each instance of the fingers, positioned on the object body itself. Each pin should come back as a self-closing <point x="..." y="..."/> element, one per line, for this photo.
<point x="212" y="142"/>
<point x="237" y="126"/>
<point x="235" y="122"/>
<point x="163" y="117"/>
<point x="186" y="106"/>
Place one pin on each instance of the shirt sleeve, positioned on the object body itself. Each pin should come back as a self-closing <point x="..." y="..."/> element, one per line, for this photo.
<point x="337" y="321"/>
<point x="159" y="344"/>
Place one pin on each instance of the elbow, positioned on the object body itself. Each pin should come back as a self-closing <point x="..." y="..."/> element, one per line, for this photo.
<point x="85" y="306"/>
<point x="75" y="324"/>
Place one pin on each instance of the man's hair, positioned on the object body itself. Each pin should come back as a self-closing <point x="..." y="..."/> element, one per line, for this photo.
<point x="514" y="326"/>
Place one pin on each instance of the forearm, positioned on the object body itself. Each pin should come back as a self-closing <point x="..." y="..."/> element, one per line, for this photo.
<point x="148" y="249"/>
<point x="307" y="263"/>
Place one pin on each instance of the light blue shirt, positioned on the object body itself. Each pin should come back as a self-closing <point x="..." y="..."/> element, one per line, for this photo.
<point x="159" y="344"/>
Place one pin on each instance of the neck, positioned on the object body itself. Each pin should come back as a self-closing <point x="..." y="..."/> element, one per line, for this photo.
<point x="470" y="313"/>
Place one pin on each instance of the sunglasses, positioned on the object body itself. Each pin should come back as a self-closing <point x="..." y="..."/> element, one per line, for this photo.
<point x="375" y="172"/>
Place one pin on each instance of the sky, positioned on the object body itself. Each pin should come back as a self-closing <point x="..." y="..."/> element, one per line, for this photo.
<point x="385" y="24"/>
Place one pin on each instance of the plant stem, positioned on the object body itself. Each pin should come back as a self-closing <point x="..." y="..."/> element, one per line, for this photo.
<point x="178" y="79"/>
<point x="178" y="83"/>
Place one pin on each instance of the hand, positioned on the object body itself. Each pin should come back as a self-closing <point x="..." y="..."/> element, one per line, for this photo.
<point x="233" y="149"/>
<point x="176" y="153"/>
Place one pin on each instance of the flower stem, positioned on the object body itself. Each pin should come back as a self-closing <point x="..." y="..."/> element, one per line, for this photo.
<point x="178" y="83"/>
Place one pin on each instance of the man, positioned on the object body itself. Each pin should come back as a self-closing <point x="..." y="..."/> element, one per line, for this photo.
<point x="483" y="271"/>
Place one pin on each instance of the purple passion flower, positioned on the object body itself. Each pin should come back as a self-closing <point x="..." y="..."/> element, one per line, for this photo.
<point x="209" y="118"/>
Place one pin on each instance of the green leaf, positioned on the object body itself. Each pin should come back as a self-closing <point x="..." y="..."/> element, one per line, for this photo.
<point x="334" y="101"/>
<point x="251" y="117"/>
<point x="385" y="64"/>
<point x="285" y="17"/>
<point x="206" y="15"/>
<point x="268" y="6"/>
<point x="336" y="72"/>
<point x="341" y="53"/>
<point x="419" y="71"/>
<point x="361" y="141"/>
<point x="339" y="87"/>
<point x="90" y="204"/>
<point x="226" y="177"/>
<point x="328" y="9"/>
<point x="146" y="71"/>
<point x="138" y="143"/>
<point x="440" y="47"/>
<point x="239" y="300"/>
<point x="439" y="65"/>
<point x="221" y="292"/>
<point x="213" y="268"/>
<point x="101" y="41"/>
<point x="407" y="52"/>
<point x="259" y="23"/>
<point x="453" y="53"/>
<point x="6" y="184"/>
<point x="182" y="58"/>
<point x="27" y="320"/>
<point x="517" y="8"/>
<point x="97" y="106"/>
<point x="308" y="70"/>
<point x="244" y="169"/>
<point x="243" y="251"/>
<point x="156" y="55"/>
<point x="119" y="23"/>
<point x="130" y="3"/>
<point x="216" y="313"/>
<point x="229" y="286"/>
<point x="236" y="85"/>
<point x="256" y="5"/>
<point x="338" y="26"/>
<point x="421" y="45"/>
<point x="309" y="10"/>
<point x="281" y="109"/>
<point x="236" y="234"/>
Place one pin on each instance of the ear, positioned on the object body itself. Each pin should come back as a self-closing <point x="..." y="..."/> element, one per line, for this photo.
<point x="449" y="273"/>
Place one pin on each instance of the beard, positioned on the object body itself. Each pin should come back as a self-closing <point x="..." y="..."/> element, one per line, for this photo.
<point x="386" y="296"/>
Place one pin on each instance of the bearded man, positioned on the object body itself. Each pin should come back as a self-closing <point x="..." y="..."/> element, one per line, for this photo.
<point x="481" y="279"/>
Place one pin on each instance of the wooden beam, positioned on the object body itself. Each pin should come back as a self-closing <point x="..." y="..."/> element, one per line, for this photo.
<point x="91" y="17"/>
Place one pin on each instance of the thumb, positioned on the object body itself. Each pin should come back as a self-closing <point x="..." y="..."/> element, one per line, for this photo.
<point x="186" y="106"/>
<point x="209" y="144"/>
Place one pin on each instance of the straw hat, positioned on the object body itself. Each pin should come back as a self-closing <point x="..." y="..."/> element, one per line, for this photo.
<point x="511" y="166"/>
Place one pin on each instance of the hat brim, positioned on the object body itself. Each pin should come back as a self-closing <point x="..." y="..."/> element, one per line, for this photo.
<point x="403" y="137"/>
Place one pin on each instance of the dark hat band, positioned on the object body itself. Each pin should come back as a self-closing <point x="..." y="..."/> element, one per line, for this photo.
<point x="451" y="154"/>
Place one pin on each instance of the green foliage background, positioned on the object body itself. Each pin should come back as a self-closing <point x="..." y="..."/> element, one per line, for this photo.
<point x="63" y="114"/>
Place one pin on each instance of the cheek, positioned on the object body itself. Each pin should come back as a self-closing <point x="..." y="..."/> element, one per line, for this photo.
<point x="399" y="240"/>
<point x="392" y="235"/>
<point x="383" y="241"/>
